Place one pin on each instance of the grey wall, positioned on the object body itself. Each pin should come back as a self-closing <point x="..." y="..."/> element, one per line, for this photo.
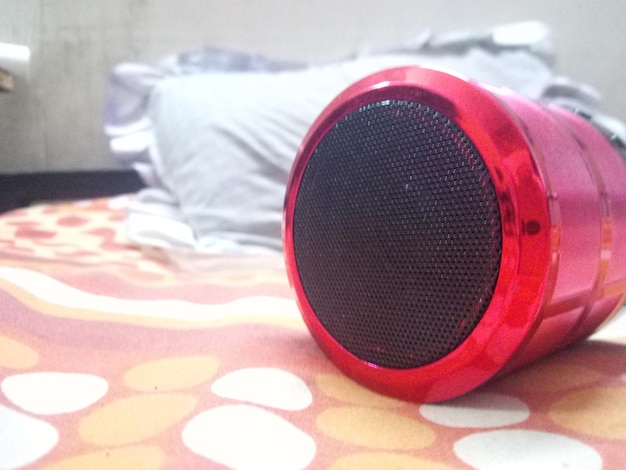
<point x="54" y="121"/>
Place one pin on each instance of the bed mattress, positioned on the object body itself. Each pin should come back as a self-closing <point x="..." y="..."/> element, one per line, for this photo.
<point x="115" y="356"/>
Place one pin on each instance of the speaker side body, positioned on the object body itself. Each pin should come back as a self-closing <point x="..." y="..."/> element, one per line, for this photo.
<point x="553" y="257"/>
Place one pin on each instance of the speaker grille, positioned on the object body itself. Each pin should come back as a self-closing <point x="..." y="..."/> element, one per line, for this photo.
<point x="397" y="234"/>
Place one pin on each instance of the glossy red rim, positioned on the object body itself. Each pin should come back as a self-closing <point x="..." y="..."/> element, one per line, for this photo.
<point x="526" y="227"/>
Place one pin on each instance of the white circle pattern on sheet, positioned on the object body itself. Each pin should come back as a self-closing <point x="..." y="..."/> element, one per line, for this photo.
<point x="48" y="393"/>
<point x="271" y="387"/>
<point x="477" y="410"/>
<point x="519" y="449"/>
<point x="615" y="328"/>
<point x="247" y="437"/>
<point x="23" y="439"/>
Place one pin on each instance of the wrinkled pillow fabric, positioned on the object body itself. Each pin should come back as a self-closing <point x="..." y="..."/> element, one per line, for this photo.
<point x="213" y="133"/>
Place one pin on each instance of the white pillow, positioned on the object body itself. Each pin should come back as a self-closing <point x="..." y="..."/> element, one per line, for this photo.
<point x="214" y="133"/>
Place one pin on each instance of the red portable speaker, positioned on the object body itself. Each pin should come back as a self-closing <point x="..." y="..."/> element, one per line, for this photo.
<point x="438" y="232"/>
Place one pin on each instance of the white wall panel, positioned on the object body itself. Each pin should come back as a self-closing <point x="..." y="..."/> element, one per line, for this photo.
<point x="54" y="122"/>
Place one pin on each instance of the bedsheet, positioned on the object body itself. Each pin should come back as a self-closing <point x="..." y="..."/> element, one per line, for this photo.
<point x="112" y="356"/>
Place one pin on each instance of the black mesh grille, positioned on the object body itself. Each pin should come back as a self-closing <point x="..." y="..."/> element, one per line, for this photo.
<point x="397" y="234"/>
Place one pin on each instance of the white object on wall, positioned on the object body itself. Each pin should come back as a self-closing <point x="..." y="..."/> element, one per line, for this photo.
<point x="15" y="59"/>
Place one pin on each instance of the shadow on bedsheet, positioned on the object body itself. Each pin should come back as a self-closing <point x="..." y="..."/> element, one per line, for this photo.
<point x="588" y="364"/>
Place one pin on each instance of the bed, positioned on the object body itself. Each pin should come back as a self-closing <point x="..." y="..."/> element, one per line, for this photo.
<point x="112" y="356"/>
<point x="131" y="337"/>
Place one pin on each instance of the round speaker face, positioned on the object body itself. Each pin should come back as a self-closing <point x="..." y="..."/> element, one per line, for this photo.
<point x="406" y="237"/>
<point x="397" y="234"/>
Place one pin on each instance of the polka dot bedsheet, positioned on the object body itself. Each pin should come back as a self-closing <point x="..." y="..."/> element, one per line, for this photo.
<point x="112" y="357"/>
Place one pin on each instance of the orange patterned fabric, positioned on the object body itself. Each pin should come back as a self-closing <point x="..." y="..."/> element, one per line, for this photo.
<point x="112" y="357"/>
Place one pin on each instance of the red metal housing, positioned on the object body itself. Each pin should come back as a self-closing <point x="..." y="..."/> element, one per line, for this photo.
<point x="561" y="187"/>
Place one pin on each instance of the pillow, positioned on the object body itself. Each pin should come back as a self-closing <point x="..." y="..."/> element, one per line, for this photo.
<point x="215" y="133"/>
